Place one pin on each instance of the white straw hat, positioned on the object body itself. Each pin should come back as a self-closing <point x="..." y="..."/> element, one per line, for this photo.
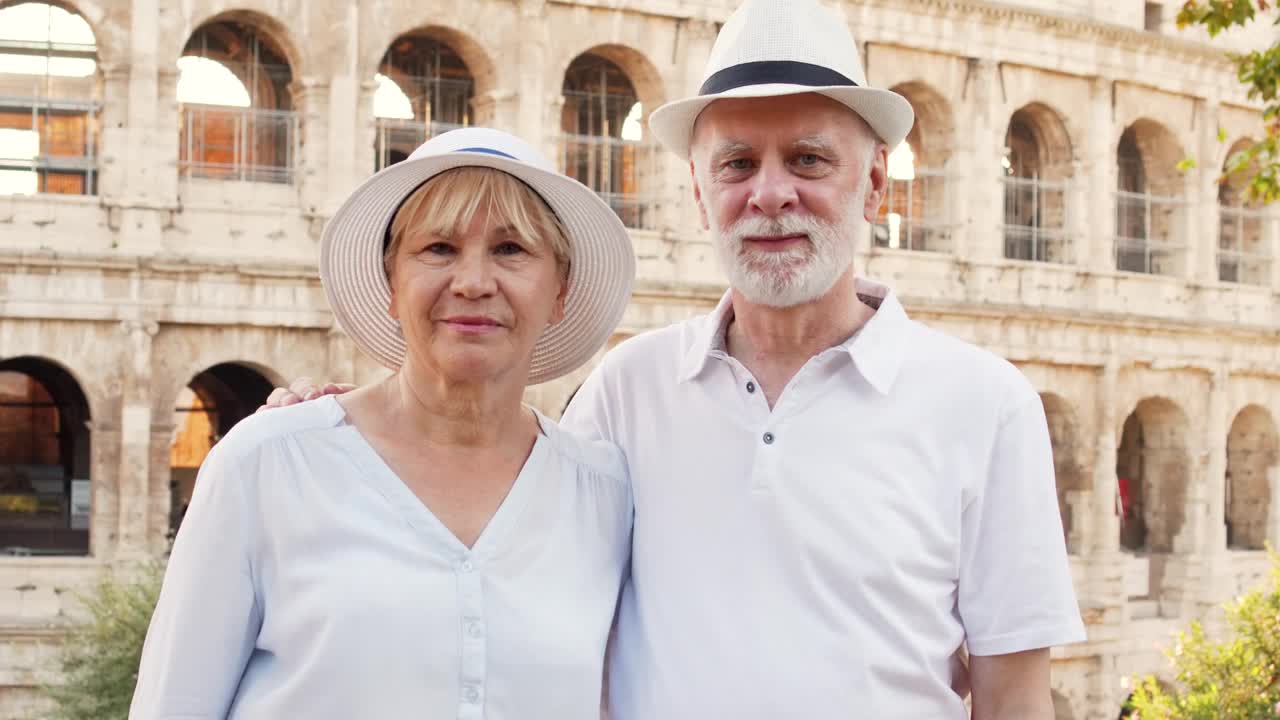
<point x="600" y="276"/>
<point x="769" y="48"/>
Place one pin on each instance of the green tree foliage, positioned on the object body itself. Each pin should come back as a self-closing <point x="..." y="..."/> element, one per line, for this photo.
<point x="99" y="661"/>
<point x="1237" y="677"/>
<point x="1259" y="71"/>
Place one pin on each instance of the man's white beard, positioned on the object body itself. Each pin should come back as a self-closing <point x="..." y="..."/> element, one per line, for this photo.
<point x="784" y="278"/>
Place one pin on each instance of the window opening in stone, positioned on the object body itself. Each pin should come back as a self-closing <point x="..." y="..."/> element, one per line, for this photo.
<point x="424" y="89"/>
<point x="206" y="410"/>
<point x="50" y="102"/>
<point x="602" y="139"/>
<point x="45" y="493"/>
<point x="236" y="106"/>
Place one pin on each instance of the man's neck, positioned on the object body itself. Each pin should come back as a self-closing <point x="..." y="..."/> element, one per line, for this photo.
<point x="799" y="331"/>
<point x="774" y="343"/>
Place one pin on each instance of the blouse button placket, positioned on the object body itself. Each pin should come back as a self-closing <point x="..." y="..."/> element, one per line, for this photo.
<point x="471" y="618"/>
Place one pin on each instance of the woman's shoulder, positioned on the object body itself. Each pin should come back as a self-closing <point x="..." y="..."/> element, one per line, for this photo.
<point x="261" y="430"/>
<point x="593" y="456"/>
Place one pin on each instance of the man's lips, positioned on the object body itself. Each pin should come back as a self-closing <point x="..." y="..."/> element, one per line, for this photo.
<point x="774" y="241"/>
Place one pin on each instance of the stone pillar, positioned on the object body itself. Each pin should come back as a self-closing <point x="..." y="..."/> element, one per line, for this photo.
<point x="341" y="360"/>
<point x="975" y="193"/>
<point x="135" y="437"/>
<point x="537" y="119"/>
<point x="497" y="108"/>
<point x="1271" y="241"/>
<point x="1100" y="175"/>
<point x="312" y="107"/>
<point x="104" y="437"/>
<point x="1104" y="594"/>
<point x="1207" y="562"/>
<point x="1205" y="214"/>
<point x="1079" y="214"/>
<point x="1217" y="428"/>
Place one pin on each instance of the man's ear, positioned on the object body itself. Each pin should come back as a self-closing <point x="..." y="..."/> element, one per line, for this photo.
<point x="877" y="182"/>
<point x="697" y="198"/>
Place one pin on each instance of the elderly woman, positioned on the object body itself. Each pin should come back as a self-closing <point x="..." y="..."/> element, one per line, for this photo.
<point x="427" y="546"/>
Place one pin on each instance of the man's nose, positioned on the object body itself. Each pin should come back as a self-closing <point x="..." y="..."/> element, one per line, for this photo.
<point x="774" y="189"/>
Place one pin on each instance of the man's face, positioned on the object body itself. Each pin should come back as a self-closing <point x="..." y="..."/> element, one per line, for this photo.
<point x="783" y="184"/>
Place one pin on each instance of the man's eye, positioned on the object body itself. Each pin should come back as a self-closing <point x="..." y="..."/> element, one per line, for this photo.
<point x="809" y="159"/>
<point x="738" y="164"/>
<point x="509" y="248"/>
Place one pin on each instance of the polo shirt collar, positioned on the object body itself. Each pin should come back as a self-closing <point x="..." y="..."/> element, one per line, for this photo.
<point x="877" y="349"/>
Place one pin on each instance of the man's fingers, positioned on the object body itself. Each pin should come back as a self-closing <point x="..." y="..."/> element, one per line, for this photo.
<point x="304" y="388"/>
<point x="336" y="388"/>
<point x="281" y="397"/>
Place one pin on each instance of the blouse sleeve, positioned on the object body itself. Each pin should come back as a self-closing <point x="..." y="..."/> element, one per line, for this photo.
<point x="207" y="620"/>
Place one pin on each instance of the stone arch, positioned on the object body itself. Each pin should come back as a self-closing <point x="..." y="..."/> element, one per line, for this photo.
<point x="1044" y="148"/>
<point x="1037" y="163"/>
<point x="45" y="459"/>
<point x="604" y="144"/>
<point x="439" y="70"/>
<point x="1244" y="254"/>
<point x="1251" y="471"/>
<point x="1149" y="199"/>
<point x="1153" y="465"/>
<point x="256" y="48"/>
<point x="932" y="135"/>
<point x="1071" y="476"/>
<point x="206" y="409"/>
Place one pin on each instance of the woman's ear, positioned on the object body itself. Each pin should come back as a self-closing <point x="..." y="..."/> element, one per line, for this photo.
<point x="557" y="313"/>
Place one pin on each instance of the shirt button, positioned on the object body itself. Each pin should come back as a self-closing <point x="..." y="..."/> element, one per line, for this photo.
<point x="474" y="629"/>
<point x="466" y="566"/>
<point x="751" y="387"/>
<point x="768" y="438"/>
<point x="470" y="694"/>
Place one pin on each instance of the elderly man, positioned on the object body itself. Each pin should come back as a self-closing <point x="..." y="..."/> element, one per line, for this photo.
<point x="831" y="499"/>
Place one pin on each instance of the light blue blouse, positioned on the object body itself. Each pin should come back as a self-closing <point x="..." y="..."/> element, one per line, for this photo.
<point x="308" y="581"/>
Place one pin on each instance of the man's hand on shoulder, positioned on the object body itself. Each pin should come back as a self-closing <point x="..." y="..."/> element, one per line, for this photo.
<point x="301" y="390"/>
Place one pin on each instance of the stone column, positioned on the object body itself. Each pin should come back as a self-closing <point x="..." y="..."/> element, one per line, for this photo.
<point x="537" y="118"/>
<point x="1217" y="428"/>
<point x="104" y="467"/>
<point x="1100" y="175"/>
<point x="1205" y="214"/>
<point x="975" y="193"/>
<point x="135" y="437"/>
<point x="1104" y="592"/>
<point x="312" y="107"/>
<point x="1079" y="214"/>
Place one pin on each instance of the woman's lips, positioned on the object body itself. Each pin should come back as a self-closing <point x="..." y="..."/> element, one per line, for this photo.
<point x="472" y="325"/>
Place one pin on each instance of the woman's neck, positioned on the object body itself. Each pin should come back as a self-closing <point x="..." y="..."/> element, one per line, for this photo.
<point x="436" y="411"/>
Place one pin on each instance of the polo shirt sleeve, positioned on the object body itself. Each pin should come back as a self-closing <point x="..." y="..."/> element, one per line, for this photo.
<point x="588" y="413"/>
<point x="206" y="623"/>
<point x="1015" y="589"/>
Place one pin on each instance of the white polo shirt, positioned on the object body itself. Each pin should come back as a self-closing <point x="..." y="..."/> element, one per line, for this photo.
<point x="826" y="558"/>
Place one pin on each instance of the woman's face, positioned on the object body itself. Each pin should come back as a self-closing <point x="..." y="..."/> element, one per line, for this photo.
<point x="472" y="307"/>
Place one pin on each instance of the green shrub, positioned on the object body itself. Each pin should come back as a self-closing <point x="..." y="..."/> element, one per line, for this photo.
<point x="100" y="656"/>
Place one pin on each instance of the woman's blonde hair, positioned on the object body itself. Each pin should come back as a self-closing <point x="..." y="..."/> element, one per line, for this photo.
<point x="446" y="203"/>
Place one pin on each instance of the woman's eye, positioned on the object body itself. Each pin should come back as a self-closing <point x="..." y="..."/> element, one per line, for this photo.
<point x="508" y="248"/>
<point x="439" y="248"/>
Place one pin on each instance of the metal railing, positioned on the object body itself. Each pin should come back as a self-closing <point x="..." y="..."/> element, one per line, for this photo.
<point x="65" y="160"/>
<point x="1240" y="237"/>
<point x="397" y="139"/>
<point x="622" y="172"/>
<point x="247" y="144"/>
<point x="1146" y="233"/>
<point x="914" y="214"/>
<point x="1035" y="220"/>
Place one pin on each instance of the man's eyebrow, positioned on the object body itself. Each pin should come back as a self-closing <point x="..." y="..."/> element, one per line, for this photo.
<point x="728" y="147"/>
<point x="819" y="144"/>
